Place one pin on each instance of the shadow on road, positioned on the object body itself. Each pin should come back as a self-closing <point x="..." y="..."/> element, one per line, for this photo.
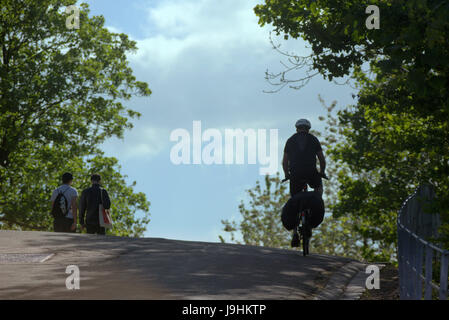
<point x="127" y="268"/>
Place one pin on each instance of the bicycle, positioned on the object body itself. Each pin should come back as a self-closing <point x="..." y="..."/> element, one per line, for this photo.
<point x="304" y="215"/>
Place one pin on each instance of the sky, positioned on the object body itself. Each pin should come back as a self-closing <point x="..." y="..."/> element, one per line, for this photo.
<point x="204" y="60"/>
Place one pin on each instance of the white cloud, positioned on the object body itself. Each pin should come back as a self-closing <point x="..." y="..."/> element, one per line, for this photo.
<point x="204" y="60"/>
<point x="213" y="27"/>
<point x="141" y="142"/>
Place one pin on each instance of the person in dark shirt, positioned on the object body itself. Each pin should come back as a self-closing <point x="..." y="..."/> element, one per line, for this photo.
<point x="299" y="163"/>
<point x="90" y="204"/>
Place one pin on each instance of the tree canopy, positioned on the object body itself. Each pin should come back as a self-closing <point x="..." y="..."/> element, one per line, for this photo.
<point x="396" y="135"/>
<point x="412" y="39"/>
<point x="61" y="95"/>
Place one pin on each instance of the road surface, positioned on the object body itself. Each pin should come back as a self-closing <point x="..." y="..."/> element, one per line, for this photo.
<point x="33" y="266"/>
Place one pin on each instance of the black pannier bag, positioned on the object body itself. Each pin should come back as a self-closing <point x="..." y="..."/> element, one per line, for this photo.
<point x="303" y="201"/>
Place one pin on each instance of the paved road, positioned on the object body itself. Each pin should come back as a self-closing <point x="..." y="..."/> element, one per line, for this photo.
<point x="149" y="268"/>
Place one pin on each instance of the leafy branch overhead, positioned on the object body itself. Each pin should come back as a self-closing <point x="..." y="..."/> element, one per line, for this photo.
<point x="411" y="40"/>
<point x="396" y="135"/>
<point x="61" y="95"/>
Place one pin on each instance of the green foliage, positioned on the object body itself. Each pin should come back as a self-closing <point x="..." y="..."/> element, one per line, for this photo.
<point x="365" y="232"/>
<point x="261" y="223"/>
<point x="411" y="36"/>
<point x="397" y="134"/>
<point x="372" y="209"/>
<point x="389" y="150"/>
<point x="61" y="94"/>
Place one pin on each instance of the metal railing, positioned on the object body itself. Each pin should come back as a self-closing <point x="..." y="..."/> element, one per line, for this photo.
<point x="417" y="255"/>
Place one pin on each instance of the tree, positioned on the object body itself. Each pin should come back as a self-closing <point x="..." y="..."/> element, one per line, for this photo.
<point x="397" y="134"/>
<point x="389" y="153"/>
<point x="61" y="95"/>
<point x="261" y="224"/>
<point x="411" y="40"/>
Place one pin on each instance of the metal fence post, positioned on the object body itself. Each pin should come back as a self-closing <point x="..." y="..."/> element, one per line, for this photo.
<point x="401" y="262"/>
<point x="411" y="264"/>
<point x="418" y="270"/>
<point x="443" y="275"/>
<point x="414" y="227"/>
<point x="429" y="257"/>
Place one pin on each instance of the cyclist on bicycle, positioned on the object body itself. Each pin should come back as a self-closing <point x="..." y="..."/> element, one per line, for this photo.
<point x="299" y="163"/>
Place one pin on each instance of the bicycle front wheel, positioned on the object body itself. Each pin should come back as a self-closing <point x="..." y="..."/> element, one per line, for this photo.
<point x="305" y="239"/>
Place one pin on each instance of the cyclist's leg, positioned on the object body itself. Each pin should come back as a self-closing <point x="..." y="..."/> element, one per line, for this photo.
<point x="297" y="184"/>
<point x="317" y="212"/>
<point x="316" y="183"/>
<point x="319" y="190"/>
<point x="295" y="239"/>
<point x="298" y="181"/>
<point x="290" y="220"/>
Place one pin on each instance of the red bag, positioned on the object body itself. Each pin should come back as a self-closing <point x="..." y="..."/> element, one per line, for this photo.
<point x="104" y="215"/>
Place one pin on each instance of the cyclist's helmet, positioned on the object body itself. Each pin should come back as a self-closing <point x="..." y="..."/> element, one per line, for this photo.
<point x="303" y="123"/>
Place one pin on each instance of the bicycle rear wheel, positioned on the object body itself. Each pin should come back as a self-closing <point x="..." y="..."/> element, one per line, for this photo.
<point x="306" y="246"/>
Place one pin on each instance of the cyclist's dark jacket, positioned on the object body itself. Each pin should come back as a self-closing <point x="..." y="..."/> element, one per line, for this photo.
<point x="302" y="149"/>
<point x="90" y="202"/>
